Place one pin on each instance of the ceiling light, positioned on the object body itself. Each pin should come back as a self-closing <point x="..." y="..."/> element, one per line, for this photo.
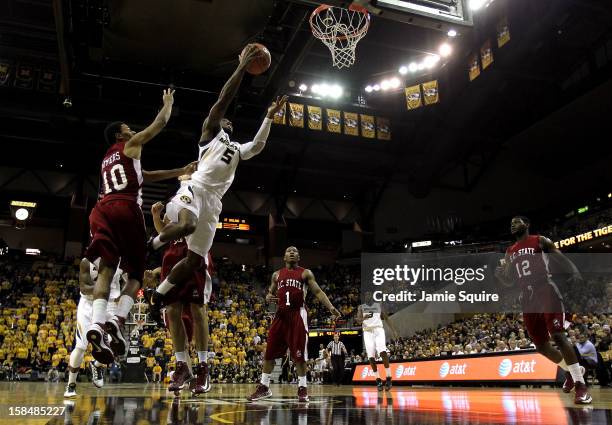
<point x="376" y="87"/>
<point x="335" y="91"/>
<point x="452" y="33"/>
<point x="303" y="87"/>
<point x="445" y="49"/>
<point x="395" y="82"/>
<point x="403" y="70"/>
<point x="22" y="214"/>
<point x="369" y="89"/>
<point x="477" y="4"/>
<point x="385" y="84"/>
<point x="413" y="67"/>
<point x="315" y="89"/>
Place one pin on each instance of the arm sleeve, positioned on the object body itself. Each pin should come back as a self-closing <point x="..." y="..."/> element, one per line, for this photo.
<point x="250" y="149"/>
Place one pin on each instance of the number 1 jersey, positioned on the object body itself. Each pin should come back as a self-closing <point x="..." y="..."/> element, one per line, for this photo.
<point x="291" y="289"/>
<point x="121" y="176"/>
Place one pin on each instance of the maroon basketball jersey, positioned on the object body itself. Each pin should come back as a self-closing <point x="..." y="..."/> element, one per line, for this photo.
<point x="121" y="176"/>
<point x="529" y="264"/>
<point x="291" y="288"/>
<point x="175" y="252"/>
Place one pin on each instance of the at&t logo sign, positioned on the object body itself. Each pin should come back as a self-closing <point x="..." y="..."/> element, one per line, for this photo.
<point x="507" y="366"/>
<point x="447" y="369"/>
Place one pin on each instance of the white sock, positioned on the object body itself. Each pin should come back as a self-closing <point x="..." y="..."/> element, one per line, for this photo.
<point x="377" y="373"/>
<point x="99" y="311"/>
<point x="76" y="358"/>
<point x="388" y="372"/>
<point x="124" y="305"/>
<point x="265" y="379"/>
<point x="164" y="287"/>
<point x="202" y="355"/>
<point x="302" y="382"/>
<point x="181" y="356"/>
<point x="157" y="243"/>
<point x="574" y="370"/>
<point x="72" y="377"/>
<point x="563" y="365"/>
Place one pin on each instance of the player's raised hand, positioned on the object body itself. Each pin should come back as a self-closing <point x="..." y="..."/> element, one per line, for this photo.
<point x="168" y="96"/>
<point x="277" y="105"/>
<point x="157" y="208"/>
<point x="248" y="54"/>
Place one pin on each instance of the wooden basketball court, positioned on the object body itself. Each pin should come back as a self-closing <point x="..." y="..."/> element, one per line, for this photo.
<point x="141" y="404"/>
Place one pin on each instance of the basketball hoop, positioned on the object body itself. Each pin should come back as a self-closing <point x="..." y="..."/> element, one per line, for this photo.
<point x="340" y="30"/>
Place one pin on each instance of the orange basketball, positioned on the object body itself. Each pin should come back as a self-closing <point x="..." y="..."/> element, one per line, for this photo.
<point x="261" y="62"/>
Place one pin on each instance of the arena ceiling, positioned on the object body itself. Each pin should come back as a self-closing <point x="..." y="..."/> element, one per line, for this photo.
<point x="113" y="57"/>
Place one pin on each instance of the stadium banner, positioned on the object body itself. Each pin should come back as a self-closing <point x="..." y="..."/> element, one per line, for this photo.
<point x="584" y="237"/>
<point x="351" y="124"/>
<point x="296" y="115"/>
<point x="24" y="77"/>
<point x="5" y="71"/>
<point x="383" y="128"/>
<point x="508" y="366"/>
<point x="486" y="54"/>
<point x="503" y="32"/>
<point x="522" y="281"/>
<point x="279" y="117"/>
<point x="315" y="118"/>
<point x="474" y="67"/>
<point x="333" y="120"/>
<point x="368" y="129"/>
<point x="431" y="93"/>
<point x="413" y="97"/>
<point x="47" y="80"/>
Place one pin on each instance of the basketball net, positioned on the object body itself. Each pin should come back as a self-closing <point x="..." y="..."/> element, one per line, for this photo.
<point x="340" y="30"/>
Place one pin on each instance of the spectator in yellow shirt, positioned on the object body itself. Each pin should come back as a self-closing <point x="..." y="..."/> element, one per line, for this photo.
<point x="157" y="370"/>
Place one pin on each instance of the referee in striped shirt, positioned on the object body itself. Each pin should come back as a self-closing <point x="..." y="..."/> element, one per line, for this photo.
<point x="337" y="351"/>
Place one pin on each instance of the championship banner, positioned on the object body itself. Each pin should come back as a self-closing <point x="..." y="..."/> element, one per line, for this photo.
<point x="47" y="80"/>
<point x="296" y="115"/>
<point x="503" y="32"/>
<point x="351" y="125"/>
<point x="413" y="97"/>
<point x="511" y="366"/>
<point x="430" y="92"/>
<point x="5" y="72"/>
<point x="333" y="120"/>
<point x="315" y="118"/>
<point x="383" y="129"/>
<point x="279" y="117"/>
<point x="474" y="67"/>
<point x="486" y="54"/>
<point x="368" y="129"/>
<point x="24" y="77"/>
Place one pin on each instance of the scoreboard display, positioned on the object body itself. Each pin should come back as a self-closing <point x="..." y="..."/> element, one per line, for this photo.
<point x="234" y="223"/>
<point x="445" y="10"/>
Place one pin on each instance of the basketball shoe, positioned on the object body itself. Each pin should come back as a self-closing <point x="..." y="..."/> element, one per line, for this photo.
<point x="181" y="376"/>
<point x="261" y="392"/>
<point x="70" y="391"/>
<point x="114" y="328"/>
<point x="582" y="394"/>
<point x="302" y="394"/>
<point x="96" y="335"/>
<point x="97" y="375"/>
<point x="201" y="384"/>
<point x="568" y="385"/>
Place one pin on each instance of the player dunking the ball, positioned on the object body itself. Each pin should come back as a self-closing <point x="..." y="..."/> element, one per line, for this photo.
<point x="526" y="262"/>
<point x="117" y="227"/>
<point x="289" y="329"/>
<point x="194" y="210"/>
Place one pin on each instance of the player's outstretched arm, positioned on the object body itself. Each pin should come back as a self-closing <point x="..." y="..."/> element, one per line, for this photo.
<point x="133" y="147"/>
<point x="158" y="222"/>
<point x="250" y="149"/>
<point x="212" y="122"/>
<point x="86" y="284"/>
<point x="159" y="175"/>
<point x="549" y="247"/>
<point x="318" y="292"/>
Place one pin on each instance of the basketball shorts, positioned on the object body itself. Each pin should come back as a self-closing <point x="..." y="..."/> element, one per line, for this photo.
<point x="84" y="319"/>
<point x="206" y="205"/>
<point x="374" y="341"/>
<point x="289" y="330"/>
<point x="197" y="290"/>
<point x="118" y="232"/>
